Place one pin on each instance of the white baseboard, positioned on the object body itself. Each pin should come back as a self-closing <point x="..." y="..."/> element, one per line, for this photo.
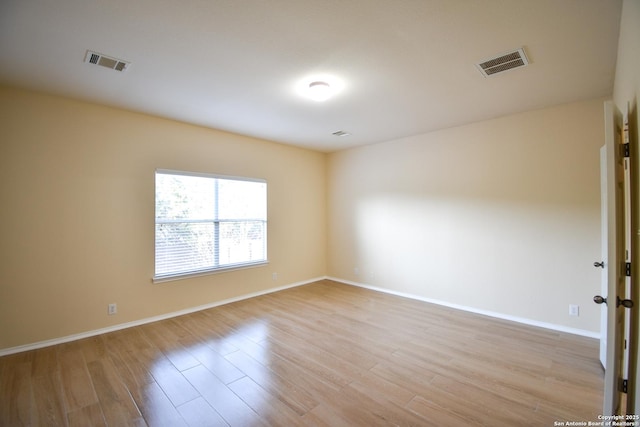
<point x="87" y="334"/>
<point x="530" y="322"/>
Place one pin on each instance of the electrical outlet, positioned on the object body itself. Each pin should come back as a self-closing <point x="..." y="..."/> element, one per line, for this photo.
<point x="113" y="309"/>
<point x="274" y="276"/>
<point x="574" y="310"/>
<point x="356" y="271"/>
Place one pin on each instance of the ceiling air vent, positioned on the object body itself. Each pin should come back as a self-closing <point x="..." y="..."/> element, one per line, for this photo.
<point x="341" y="133"/>
<point x="505" y="62"/>
<point x="106" y="61"/>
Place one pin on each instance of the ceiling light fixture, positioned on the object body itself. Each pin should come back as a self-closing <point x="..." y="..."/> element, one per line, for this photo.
<point x="319" y="91"/>
<point x="319" y="87"/>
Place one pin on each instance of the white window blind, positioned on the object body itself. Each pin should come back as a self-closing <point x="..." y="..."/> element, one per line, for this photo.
<point x="206" y="223"/>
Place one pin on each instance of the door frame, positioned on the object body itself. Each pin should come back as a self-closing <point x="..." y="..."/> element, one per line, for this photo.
<point x="613" y="395"/>
<point x="621" y="219"/>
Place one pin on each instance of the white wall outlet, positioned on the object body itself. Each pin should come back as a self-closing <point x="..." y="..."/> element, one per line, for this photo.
<point x="274" y="276"/>
<point x="112" y="309"/>
<point x="356" y="271"/>
<point x="574" y="310"/>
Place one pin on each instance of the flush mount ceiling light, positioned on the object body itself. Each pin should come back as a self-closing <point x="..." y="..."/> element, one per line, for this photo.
<point x="319" y="91"/>
<point x="319" y="87"/>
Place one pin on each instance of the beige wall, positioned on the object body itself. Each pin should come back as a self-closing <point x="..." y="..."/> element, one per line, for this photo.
<point x="501" y="216"/>
<point x="77" y="215"/>
<point x="626" y="91"/>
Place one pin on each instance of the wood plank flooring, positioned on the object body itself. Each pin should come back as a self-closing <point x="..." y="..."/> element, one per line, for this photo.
<point x="324" y="354"/>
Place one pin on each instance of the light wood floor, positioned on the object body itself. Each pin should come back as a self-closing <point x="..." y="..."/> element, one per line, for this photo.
<point x="325" y="354"/>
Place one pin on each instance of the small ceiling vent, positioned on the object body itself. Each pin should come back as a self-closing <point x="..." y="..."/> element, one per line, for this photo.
<point x="106" y="61"/>
<point x="504" y="62"/>
<point x="341" y="133"/>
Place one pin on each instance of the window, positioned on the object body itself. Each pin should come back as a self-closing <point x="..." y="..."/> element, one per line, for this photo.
<point x="206" y="223"/>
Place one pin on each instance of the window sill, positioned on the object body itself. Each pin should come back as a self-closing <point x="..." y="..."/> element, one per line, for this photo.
<point x="180" y="276"/>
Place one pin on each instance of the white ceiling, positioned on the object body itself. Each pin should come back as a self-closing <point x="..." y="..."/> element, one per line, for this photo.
<point x="408" y="65"/>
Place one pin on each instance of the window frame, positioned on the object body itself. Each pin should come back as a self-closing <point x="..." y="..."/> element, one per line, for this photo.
<point x="216" y="222"/>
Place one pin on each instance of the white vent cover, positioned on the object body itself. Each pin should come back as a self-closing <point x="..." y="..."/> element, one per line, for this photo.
<point x="106" y="61"/>
<point x="504" y="62"/>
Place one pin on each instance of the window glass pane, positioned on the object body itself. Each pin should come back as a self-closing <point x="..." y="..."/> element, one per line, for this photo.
<point x="242" y="241"/>
<point x="184" y="247"/>
<point x="242" y="199"/>
<point x="183" y="196"/>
